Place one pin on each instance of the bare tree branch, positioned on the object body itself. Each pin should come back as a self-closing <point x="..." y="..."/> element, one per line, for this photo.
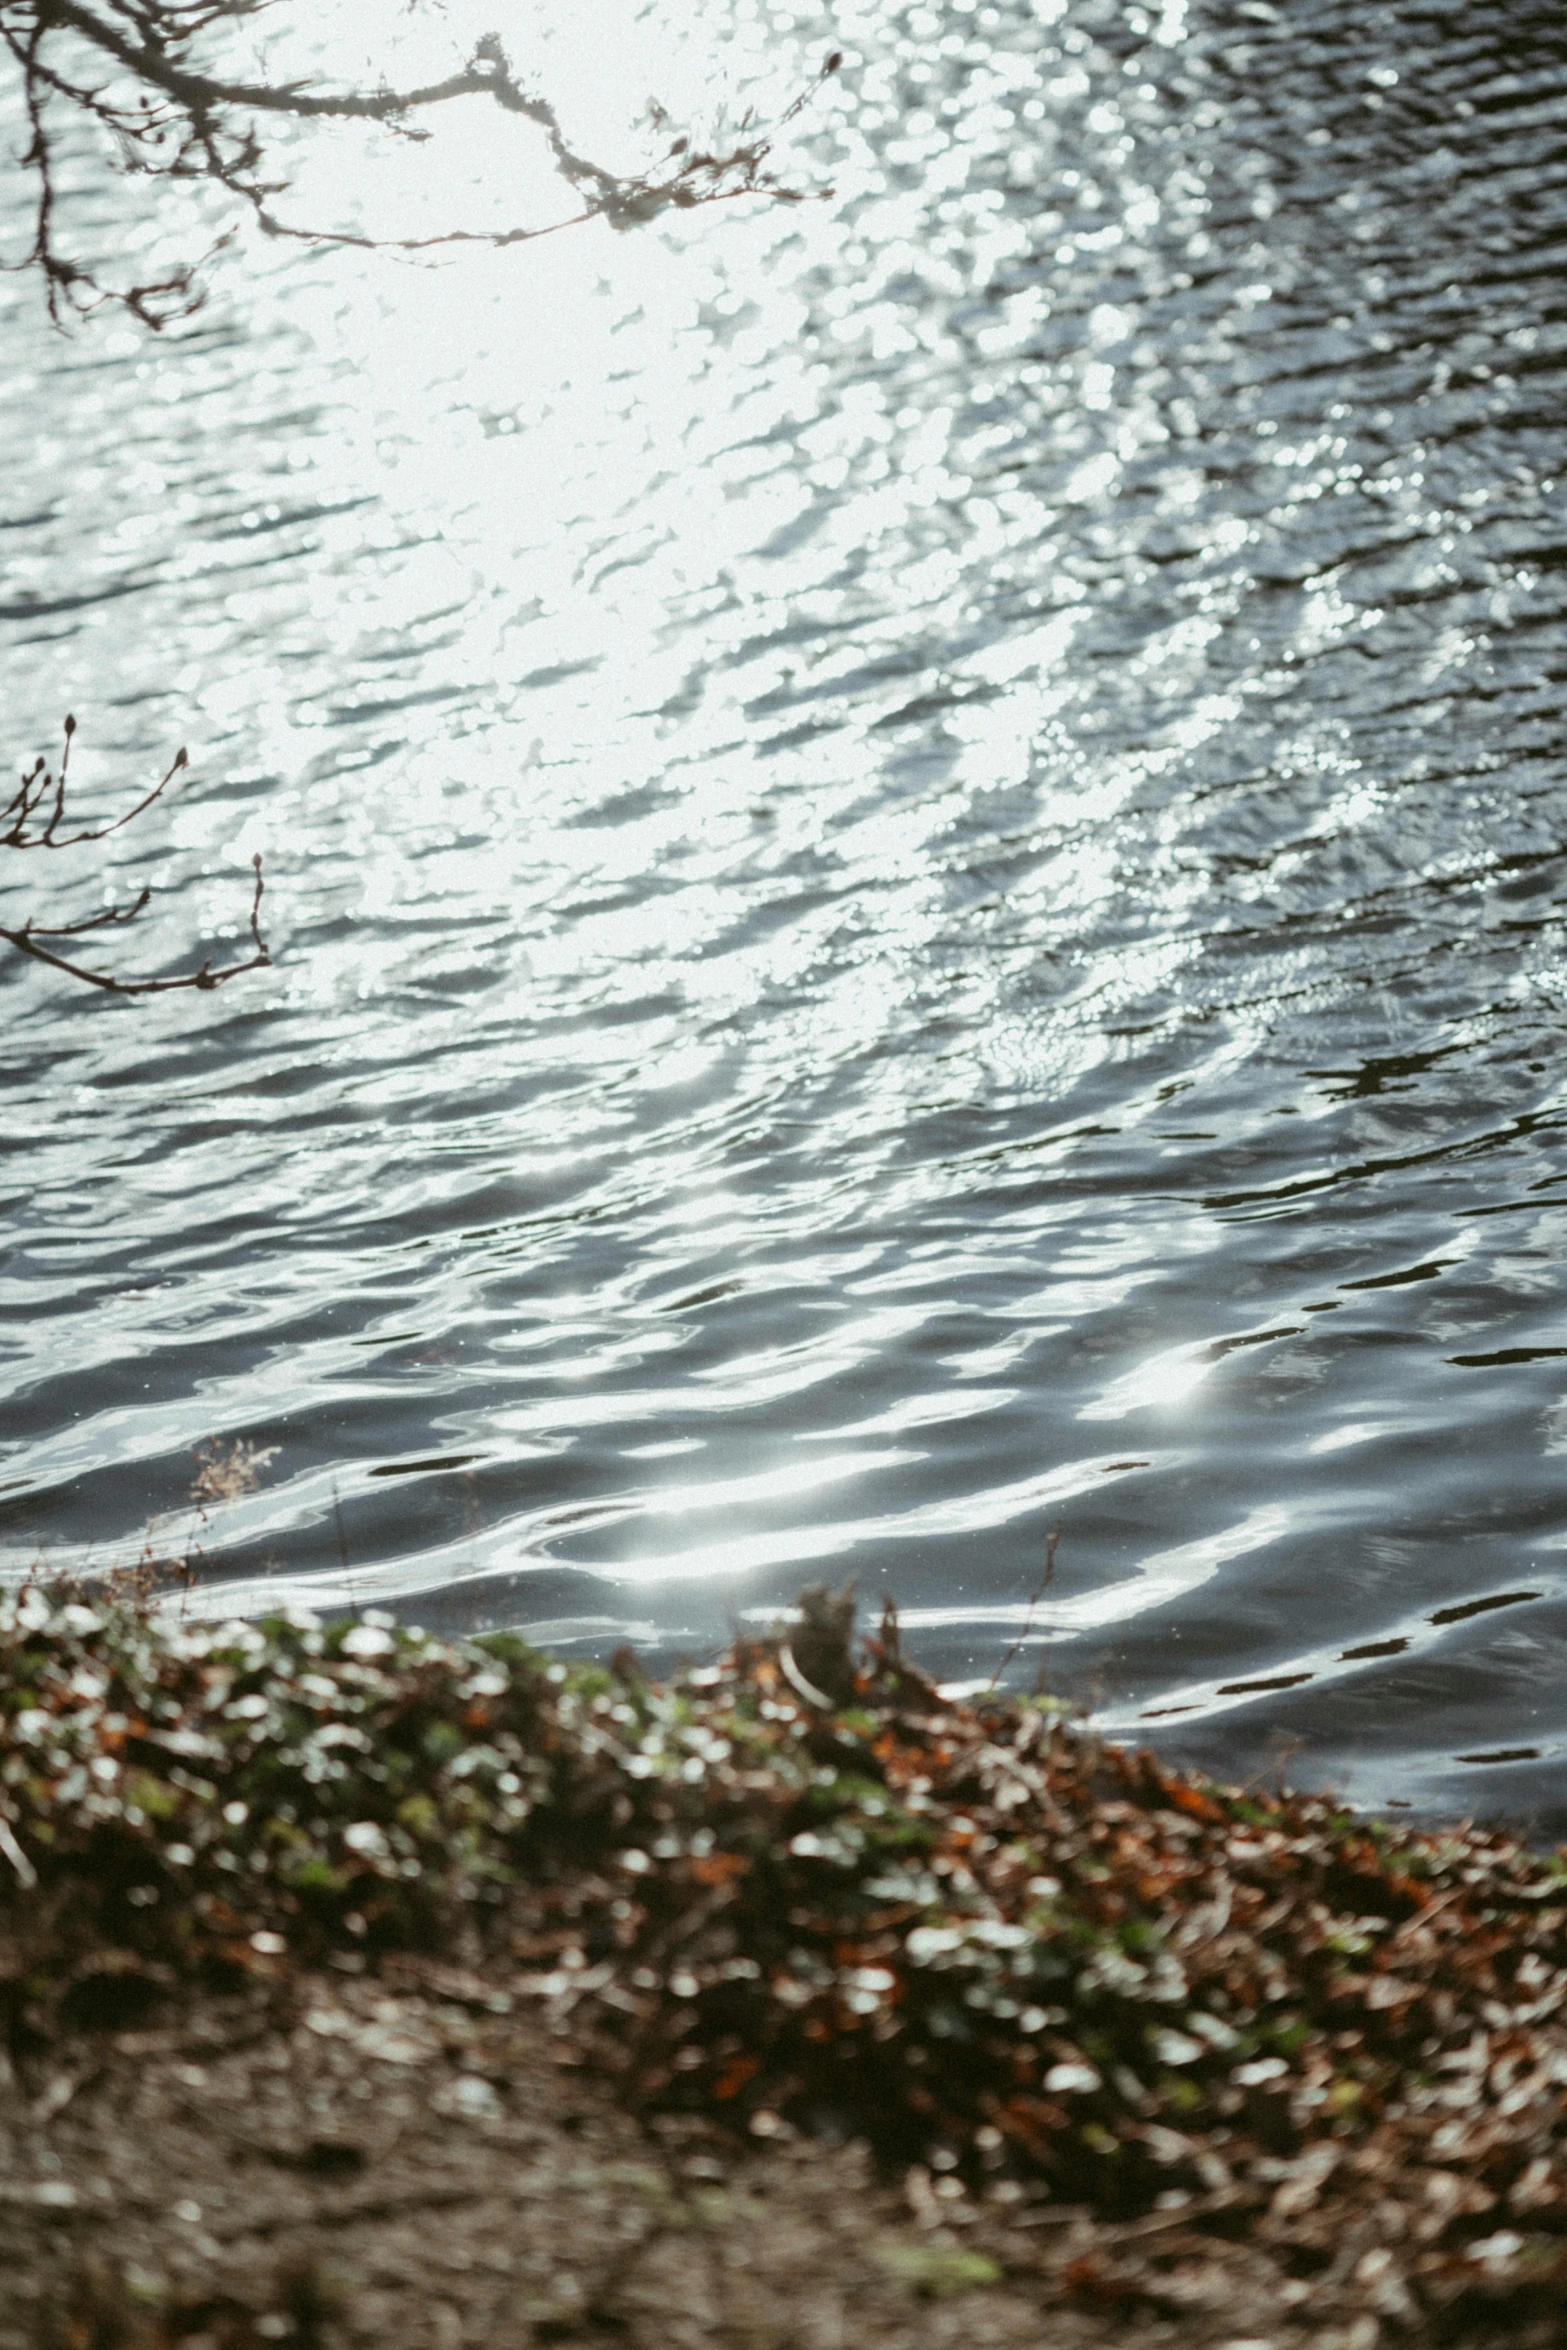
<point x="39" y="787"/>
<point x="178" y="122"/>
<point x="37" y="817"/>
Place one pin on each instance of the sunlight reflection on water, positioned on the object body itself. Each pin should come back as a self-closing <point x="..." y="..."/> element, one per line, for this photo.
<point x="898" y="828"/>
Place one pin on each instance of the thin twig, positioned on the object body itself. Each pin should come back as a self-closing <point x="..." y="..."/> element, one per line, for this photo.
<point x="39" y="785"/>
<point x="184" y="124"/>
<point x="33" y="818"/>
<point x="1052" y="1543"/>
<point x="26" y="942"/>
<point x="342" y="1552"/>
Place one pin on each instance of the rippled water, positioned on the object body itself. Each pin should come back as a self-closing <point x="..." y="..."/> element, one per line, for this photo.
<point x="916" y="851"/>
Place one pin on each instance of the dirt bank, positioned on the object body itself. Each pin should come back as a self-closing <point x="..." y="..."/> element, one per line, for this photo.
<point x="363" y="1988"/>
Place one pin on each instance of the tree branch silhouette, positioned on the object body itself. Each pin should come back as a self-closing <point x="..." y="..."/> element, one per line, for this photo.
<point x="37" y="816"/>
<point x="171" y="120"/>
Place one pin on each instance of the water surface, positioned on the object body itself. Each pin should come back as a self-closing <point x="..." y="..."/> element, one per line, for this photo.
<point x="915" y="846"/>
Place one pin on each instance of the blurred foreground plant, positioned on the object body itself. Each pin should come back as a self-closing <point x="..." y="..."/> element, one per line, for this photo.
<point x="968" y="1931"/>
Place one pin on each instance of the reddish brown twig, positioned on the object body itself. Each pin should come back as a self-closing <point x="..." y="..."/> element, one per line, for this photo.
<point x="37" y="816"/>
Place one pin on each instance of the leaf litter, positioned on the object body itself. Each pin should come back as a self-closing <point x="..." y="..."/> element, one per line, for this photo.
<point x="798" y="1891"/>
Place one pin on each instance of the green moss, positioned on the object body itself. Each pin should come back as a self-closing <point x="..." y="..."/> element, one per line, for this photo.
<point x="934" y="2273"/>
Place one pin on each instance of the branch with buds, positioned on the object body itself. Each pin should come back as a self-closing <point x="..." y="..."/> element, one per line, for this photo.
<point x="131" y="66"/>
<point x="37" y="816"/>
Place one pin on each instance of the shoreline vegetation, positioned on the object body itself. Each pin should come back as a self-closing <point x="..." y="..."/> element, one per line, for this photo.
<point x="365" y="1987"/>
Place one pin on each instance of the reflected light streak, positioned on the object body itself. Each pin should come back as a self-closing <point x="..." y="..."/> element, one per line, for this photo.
<point x="808" y="758"/>
<point x="999" y="1506"/>
<point x="1165" y="1379"/>
<point x="1166" y="1575"/>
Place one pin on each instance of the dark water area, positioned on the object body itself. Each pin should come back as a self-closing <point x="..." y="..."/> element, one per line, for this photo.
<point x="917" y="851"/>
